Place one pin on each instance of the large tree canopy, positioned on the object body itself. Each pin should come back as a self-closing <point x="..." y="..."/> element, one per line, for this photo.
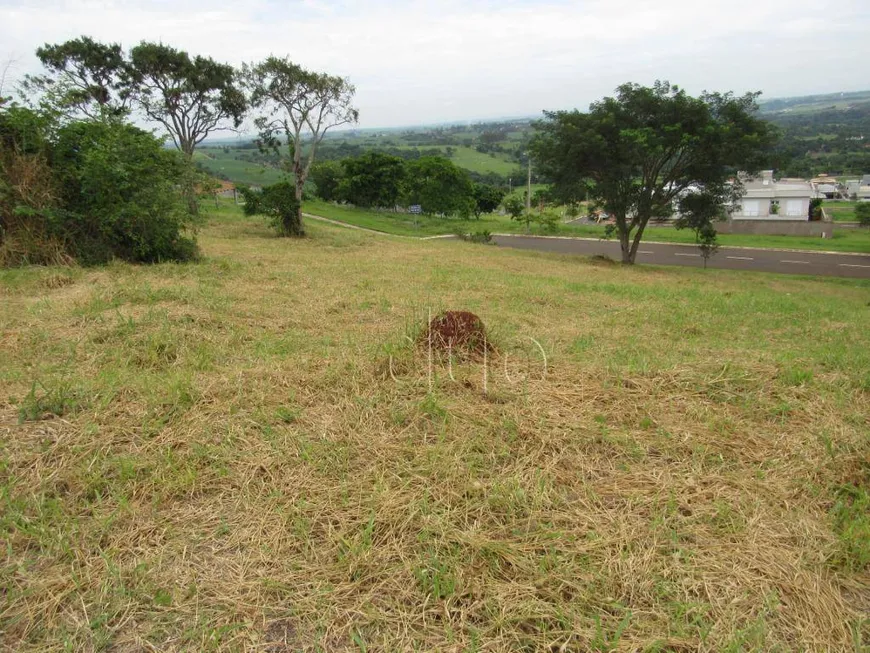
<point x="83" y="78"/>
<point x="373" y="179"/>
<point x="300" y="105"/>
<point x="190" y="97"/>
<point x="439" y="186"/>
<point x="638" y="153"/>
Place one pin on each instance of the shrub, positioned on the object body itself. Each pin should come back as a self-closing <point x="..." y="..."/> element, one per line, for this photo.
<point x="88" y="191"/>
<point x="279" y="203"/>
<point x="862" y="214"/>
<point x="482" y="237"/>
<point x="121" y="196"/>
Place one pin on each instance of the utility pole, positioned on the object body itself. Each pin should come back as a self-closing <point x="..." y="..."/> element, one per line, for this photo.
<point x="529" y="189"/>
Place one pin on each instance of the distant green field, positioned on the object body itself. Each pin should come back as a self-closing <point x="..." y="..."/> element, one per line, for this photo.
<point x="240" y="172"/>
<point x="472" y="160"/>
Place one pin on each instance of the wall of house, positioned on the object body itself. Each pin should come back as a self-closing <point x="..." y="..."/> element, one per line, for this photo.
<point x="801" y="213"/>
<point x="777" y="227"/>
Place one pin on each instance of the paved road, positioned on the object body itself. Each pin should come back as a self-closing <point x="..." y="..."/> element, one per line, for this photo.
<point x="732" y="258"/>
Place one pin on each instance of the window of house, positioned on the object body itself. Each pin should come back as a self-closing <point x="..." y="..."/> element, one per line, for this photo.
<point x="794" y="208"/>
<point x="751" y="208"/>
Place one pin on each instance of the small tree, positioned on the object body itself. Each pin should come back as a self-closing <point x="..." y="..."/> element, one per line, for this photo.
<point x="302" y="106"/>
<point x="707" y="242"/>
<point x="83" y="79"/>
<point x="516" y="209"/>
<point x="278" y="202"/>
<point x="486" y="198"/>
<point x="862" y="213"/>
<point x="698" y="210"/>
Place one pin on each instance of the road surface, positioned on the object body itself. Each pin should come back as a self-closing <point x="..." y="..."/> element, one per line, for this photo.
<point x="731" y="258"/>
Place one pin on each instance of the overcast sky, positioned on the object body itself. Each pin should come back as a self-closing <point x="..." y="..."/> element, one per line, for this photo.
<point x="424" y="62"/>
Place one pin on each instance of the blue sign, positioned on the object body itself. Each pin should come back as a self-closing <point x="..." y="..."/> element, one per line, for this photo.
<point x="415" y="209"/>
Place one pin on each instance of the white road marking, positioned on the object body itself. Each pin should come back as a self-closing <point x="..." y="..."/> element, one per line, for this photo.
<point x="678" y="254"/>
<point x="852" y="265"/>
<point x="801" y="262"/>
<point x="740" y="258"/>
<point x="640" y="251"/>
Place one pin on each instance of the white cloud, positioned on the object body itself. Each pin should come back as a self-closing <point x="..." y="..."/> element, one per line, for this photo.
<point x="420" y="61"/>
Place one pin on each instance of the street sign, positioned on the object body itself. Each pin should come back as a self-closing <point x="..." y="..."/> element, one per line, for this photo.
<point x="416" y="209"/>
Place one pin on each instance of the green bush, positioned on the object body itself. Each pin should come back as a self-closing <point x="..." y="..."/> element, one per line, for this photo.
<point x="278" y="202"/>
<point x="89" y="192"/>
<point x="862" y="214"/>
<point x="121" y="195"/>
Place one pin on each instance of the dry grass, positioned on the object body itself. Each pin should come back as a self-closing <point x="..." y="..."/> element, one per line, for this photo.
<point x="247" y="454"/>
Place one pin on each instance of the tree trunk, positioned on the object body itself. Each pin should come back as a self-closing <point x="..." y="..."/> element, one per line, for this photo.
<point x="189" y="185"/>
<point x="296" y="228"/>
<point x="624" y="242"/>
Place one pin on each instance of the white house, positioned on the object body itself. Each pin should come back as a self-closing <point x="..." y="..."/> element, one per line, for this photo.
<point x="768" y="199"/>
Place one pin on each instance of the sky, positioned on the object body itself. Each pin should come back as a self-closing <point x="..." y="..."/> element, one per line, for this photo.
<point x="416" y="62"/>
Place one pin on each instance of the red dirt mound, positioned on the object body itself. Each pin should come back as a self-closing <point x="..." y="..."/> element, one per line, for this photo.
<point x="459" y="332"/>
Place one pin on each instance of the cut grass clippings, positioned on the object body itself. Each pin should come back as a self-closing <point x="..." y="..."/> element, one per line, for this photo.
<point x="253" y="453"/>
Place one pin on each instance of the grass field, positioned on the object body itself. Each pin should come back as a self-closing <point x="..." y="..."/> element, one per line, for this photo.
<point x="470" y="159"/>
<point x="240" y="172"/>
<point x="841" y="211"/>
<point x="223" y="456"/>
<point x="844" y="240"/>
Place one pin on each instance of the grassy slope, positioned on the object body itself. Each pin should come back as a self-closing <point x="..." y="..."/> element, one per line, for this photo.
<point x="241" y="172"/>
<point x="235" y="468"/>
<point x="844" y="240"/>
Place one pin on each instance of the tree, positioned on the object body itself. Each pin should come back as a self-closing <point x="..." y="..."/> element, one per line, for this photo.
<point x="698" y="210"/>
<point x="636" y="153"/>
<point x="708" y="242"/>
<point x="862" y="214"/>
<point x="190" y="97"/>
<point x="486" y="198"/>
<point x="327" y="177"/>
<point x="278" y="202"/>
<point x="373" y="179"/>
<point x="516" y="209"/>
<point x="84" y="78"/>
<point x="540" y="197"/>
<point x="302" y="106"/>
<point x="439" y="187"/>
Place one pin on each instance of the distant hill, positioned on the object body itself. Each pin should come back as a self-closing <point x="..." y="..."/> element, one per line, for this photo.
<point x="813" y="103"/>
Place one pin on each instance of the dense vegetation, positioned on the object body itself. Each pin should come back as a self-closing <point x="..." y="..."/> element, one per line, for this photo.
<point x="822" y="134"/>
<point x="88" y="191"/>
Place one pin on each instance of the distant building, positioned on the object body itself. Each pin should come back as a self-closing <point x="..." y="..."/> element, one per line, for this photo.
<point x="859" y="188"/>
<point x="768" y="199"/>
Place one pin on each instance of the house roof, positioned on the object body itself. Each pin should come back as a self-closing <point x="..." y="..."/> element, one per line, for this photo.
<point x="771" y="189"/>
